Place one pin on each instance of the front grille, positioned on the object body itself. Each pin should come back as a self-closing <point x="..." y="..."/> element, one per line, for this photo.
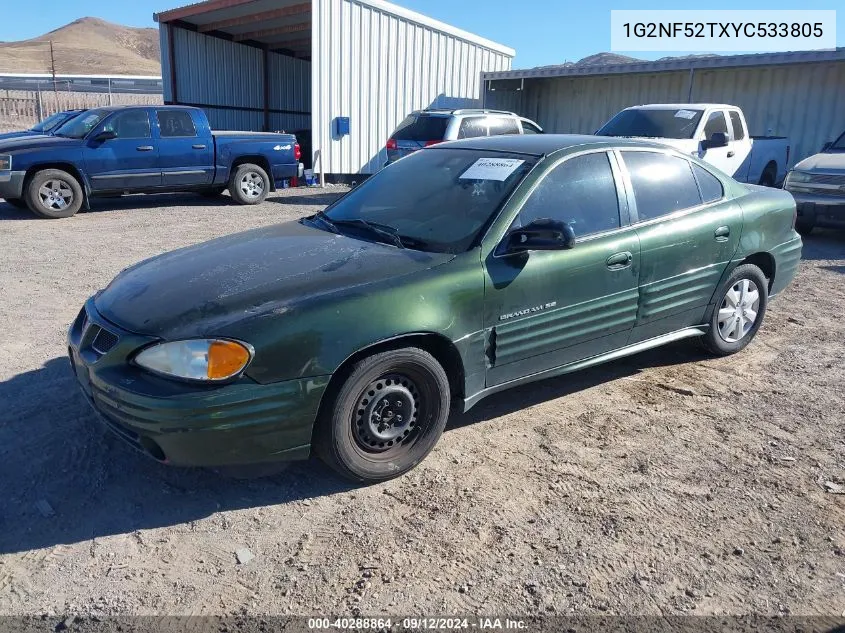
<point x="103" y="340"/>
<point x="828" y="179"/>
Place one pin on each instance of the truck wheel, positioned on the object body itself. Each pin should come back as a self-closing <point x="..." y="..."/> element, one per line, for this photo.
<point x="53" y="193"/>
<point x="740" y="307"/>
<point x="386" y="416"/>
<point x="18" y="203"/>
<point x="767" y="178"/>
<point x="804" y="228"/>
<point x="249" y="184"/>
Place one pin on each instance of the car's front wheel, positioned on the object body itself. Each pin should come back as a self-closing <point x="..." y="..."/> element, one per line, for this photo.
<point x="740" y="307"/>
<point x="386" y="416"/>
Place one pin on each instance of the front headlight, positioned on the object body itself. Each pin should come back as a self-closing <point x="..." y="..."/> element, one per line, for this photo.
<point x="198" y="359"/>
<point x="798" y="176"/>
<point x="5" y="162"/>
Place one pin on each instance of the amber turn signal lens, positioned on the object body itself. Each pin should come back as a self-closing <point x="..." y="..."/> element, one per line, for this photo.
<point x="225" y="359"/>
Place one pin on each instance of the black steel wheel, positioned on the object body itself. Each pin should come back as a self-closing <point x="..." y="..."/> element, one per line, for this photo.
<point x="386" y="416"/>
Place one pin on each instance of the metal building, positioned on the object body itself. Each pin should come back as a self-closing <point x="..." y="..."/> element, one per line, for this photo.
<point x="800" y="95"/>
<point x="341" y="73"/>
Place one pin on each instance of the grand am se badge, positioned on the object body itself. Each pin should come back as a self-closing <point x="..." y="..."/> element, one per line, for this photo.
<point x="519" y="313"/>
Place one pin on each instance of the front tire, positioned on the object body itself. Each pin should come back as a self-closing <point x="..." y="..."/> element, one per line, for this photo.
<point x="740" y="307"/>
<point x="249" y="184"/>
<point x="386" y="416"/>
<point x="53" y="194"/>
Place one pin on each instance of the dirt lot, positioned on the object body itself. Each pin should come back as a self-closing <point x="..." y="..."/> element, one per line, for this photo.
<point x="667" y="483"/>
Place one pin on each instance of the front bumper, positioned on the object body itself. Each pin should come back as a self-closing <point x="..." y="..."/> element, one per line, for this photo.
<point x="820" y="210"/>
<point x="186" y="424"/>
<point x="11" y="184"/>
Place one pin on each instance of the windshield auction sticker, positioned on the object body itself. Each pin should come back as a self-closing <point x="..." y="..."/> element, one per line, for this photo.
<point x="711" y="30"/>
<point x="491" y="169"/>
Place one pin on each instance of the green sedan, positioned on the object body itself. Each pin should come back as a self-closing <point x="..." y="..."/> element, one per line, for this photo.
<point x="457" y="272"/>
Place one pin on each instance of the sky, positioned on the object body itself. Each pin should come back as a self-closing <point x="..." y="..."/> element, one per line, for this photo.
<point x="542" y="31"/>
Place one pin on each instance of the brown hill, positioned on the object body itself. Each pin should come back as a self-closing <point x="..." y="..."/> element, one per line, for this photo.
<point x="86" y="46"/>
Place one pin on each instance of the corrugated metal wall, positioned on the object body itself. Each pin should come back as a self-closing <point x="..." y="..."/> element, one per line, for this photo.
<point x="805" y="102"/>
<point x="214" y="72"/>
<point x="375" y="67"/>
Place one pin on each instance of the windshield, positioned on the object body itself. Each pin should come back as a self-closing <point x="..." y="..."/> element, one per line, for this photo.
<point x="54" y="120"/>
<point x="674" y="123"/>
<point x="839" y="143"/>
<point x="436" y="200"/>
<point x="421" y="127"/>
<point x="78" y="127"/>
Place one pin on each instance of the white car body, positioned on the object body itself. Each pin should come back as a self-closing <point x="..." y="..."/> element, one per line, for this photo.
<point x="752" y="159"/>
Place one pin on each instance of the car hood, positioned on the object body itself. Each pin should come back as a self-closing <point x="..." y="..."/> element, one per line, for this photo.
<point x="36" y="141"/>
<point x="832" y="163"/>
<point x="19" y="134"/>
<point x="197" y="290"/>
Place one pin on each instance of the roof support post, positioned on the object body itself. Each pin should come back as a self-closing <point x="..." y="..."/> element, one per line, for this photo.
<point x="171" y="58"/>
<point x="265" y="68"/>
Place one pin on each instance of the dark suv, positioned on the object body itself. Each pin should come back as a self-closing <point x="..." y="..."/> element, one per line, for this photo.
<point x="422" y="128"/>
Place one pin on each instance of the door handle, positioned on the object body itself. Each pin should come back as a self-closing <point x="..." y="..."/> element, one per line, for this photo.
<point x="198" y="146"/>
<point x="619" y="261"/>
<point x="722" y="233"/>
<point x="145" y="148"/>
<point x="731" y="154"/>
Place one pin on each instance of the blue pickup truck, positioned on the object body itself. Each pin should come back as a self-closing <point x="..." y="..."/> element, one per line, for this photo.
<point x="133" y="149"/>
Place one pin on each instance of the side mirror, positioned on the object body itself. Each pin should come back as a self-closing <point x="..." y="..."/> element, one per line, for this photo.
<point x="105" y="135"/>
<point x="542" y="234"/>
<point x="827" y="146"/>
<point x="717" y="139"/>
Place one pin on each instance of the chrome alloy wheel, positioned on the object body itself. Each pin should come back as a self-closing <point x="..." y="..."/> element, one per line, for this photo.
<point x="55" y="194"/>
<point x="252" y="184"/>
<point x="738" y="311"/>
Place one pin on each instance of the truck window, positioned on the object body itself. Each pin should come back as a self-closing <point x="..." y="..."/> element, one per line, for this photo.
<point x="129" y="124"/>
<point x="581" y="192"/>
<point x="653" y="123"/>
<point x="715" y="123"/>
<point x="662" y="183"/>
<point x="736" y="124"/>
<point x="175" y="123"/>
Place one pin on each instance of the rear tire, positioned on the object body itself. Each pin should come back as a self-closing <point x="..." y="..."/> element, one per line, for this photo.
<point x="53" y="194"/>
<point x="386" y="416"/>
<point x="804" y="228"/>
<point x="18" y="203"/>
<point x="249" y="184"/>
<point x="767" y="178"/>
<point x="740" y="307"/>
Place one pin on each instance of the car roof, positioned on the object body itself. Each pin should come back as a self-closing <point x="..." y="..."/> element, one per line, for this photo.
<point x="540" y="144"/>
<point x="682" y="106"/>
<point x="460" y="111"/>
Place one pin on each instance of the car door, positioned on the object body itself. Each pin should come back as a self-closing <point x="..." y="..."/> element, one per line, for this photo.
<point x="688" y="231"/>
<point x="544" y="309"/>
<point x="740" y="145"/>
<point x="129" y="160"/>
<point x="186" y="158"/>
<point x="724" y="158"/>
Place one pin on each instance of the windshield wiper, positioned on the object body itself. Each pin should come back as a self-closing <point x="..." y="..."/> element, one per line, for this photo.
<point x="326" y="220"/>
<point x="382" y="230"/>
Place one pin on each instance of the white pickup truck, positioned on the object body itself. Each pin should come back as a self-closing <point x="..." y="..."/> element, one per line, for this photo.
<point x="714" y="132"/>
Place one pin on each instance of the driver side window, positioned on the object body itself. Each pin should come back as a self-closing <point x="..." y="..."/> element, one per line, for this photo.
<point x="581" y="192"/>
<point x="129" y="124"/>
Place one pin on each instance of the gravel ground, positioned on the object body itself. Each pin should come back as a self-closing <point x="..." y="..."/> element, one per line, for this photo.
<point x="667" y="483"/>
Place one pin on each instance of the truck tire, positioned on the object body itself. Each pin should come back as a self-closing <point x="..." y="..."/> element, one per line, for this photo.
<point x="249" y="184"/>
<point x="740" y="307"/>
<point x="767" y="178"/>
<point x="18" y="203"/>
<point x="53" y="194"/>
<point x="385" y="417"/>
<point x="804" y="227"/>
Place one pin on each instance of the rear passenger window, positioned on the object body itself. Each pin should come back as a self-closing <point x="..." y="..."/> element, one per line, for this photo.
<point x="581" y="192"/>
<point x="715" y="123"/>
<point x="736" y="124"/>
<point x="662" y="183"/>
<point x="176" y="123"/>
<point x="529" y="128"/>
<point x="709" y="186"/>
<point x="502" y="125"/>
<point x="472" y="127"/>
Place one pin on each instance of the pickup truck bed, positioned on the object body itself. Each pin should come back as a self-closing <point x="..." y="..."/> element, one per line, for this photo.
<point x="142" y="149"/>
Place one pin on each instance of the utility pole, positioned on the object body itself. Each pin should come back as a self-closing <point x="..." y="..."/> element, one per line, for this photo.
<point x="53" y="71"/>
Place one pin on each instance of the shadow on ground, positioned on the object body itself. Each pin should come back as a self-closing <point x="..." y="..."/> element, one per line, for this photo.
<point x="54" y="450"/>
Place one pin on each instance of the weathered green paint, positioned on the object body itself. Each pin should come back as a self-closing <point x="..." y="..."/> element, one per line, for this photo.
<point x="308" y="300"/>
